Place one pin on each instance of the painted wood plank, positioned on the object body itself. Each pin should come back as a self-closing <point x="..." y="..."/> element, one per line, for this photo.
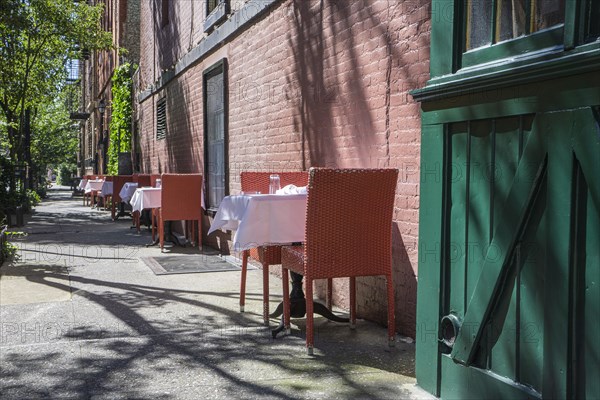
<point x="462" y="383"/>
<point x="558" y="127"/>
<point x="489" y="282"/>
<point x="430" y="236"/>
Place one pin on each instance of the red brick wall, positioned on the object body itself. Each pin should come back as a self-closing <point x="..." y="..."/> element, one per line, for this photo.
<point x="311" y="84"/>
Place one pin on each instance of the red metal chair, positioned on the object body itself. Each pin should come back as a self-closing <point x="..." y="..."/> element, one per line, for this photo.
<point x="181" y="200"/>
<point x="266" y="255"/>
<point x="118" y="182"/>
<point x="348" y="234"/>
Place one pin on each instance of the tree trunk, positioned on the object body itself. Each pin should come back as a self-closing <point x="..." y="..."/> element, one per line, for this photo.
<point x="28" y="179"/>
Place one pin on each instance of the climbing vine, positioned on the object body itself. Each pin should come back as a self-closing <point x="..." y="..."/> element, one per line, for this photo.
<point x="120" y="124"/>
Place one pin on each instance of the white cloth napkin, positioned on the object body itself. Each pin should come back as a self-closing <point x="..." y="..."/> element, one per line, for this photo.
<point x="292" y="189"/>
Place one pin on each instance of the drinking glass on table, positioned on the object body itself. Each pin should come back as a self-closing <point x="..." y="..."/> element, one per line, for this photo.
<point x="274" y="184"/>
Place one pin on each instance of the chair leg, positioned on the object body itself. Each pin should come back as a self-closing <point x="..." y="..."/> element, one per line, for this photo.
<point x="391" y="312"/>
<point x="329" y="297"/>
<point x="266" y="293"/>
<point x="152" y="216"/>
<point x="243" y="281"/>
<point x="161" y="232"/>
<point x="310" y="334"/>
<point x="137" y="221"/>
<point x="285" y="280"/>
<point x="113" y="210"/>
<point x="352" y="302"/>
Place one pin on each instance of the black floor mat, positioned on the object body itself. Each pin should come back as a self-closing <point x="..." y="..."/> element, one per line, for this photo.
<point x="185" y="264"/>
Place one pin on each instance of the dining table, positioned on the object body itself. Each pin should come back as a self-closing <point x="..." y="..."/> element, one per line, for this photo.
<point x="127" y="191"/>
<point x="82" y="184"/>
<point x="270" y="219"/>
<point x="93" y="185"/>
<point x="145" y="198"/>
<point x="106" y="188"/>
<point x="262" y="219"/>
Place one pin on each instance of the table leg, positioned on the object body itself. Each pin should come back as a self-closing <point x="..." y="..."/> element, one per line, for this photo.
<point x="298" y="306"/>
<point x="122" y="212"/>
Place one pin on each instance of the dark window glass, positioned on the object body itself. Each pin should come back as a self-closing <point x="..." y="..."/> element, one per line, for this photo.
<point x="548" y="13"/>
<point x="592" y="23"/>
<point x="479" y="23"/>
<point x="161" y="119"/>
<point x="215" y="137"/>
<point x="512" y="19"/>
<point x="165" y="13"/>
<point x="211" y="5"/>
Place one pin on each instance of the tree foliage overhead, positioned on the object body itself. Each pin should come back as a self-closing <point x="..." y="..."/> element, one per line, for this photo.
<point x="37" y="37"/>
<point x="55" y="135"/>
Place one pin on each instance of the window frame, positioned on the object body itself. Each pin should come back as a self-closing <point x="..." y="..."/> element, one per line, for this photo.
<point x="455" y="72"/>
<point x="216" y="15"/>
<point x="206" y="75"/>
<point x="453" y="56"/>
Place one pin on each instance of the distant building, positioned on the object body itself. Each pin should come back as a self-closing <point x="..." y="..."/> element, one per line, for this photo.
<point x="122" y="18"/>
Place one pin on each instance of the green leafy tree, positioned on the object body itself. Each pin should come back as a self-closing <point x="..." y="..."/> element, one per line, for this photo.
<point x="54" y="134"/>
<point x="120" y="124"/>
<point x="37" y="37"/>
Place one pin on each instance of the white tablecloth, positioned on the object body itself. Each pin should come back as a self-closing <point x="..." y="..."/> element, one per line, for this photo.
<point x="262" y="219"/>
<point x="93" y="185"/>
<point x="145" y="198"/>
<point x="127" y="191"/>
<point x="82" y="184"/>
<point x="107" y="188"/>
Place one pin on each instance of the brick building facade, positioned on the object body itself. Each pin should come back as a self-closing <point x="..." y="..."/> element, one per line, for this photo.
<point x="122" y="19"/>
<point x="305" y="83"/>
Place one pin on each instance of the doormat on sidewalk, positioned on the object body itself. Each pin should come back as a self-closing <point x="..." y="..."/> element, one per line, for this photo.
<point x="186" y="264"/>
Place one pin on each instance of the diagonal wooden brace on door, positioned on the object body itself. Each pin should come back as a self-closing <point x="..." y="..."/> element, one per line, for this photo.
<point x="522" y="196"/>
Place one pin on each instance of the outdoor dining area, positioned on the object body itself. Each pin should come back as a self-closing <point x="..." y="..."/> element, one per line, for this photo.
<point x="319" y="224"/>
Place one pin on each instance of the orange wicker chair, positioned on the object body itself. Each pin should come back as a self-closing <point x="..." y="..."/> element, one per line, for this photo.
<point x="118" y="182"/>
<point x="348" y="234"/>
<point x="181" y="200"/>
<point x="266" y="255"/>
<point x="143" y="180"/>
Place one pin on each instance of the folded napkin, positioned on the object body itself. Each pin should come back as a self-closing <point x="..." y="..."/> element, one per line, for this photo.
<point x="292" y="189"/>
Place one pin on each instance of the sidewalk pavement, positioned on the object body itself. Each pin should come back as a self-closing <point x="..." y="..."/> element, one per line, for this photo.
<point x="81" y="317"/>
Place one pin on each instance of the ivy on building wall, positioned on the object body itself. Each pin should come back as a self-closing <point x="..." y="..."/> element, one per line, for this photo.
<point x="120" y="124"/>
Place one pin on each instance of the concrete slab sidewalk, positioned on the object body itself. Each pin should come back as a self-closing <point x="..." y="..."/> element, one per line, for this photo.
<point x="81" y="317"/>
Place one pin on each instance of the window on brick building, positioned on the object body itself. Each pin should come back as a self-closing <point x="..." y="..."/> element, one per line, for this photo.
<point x="164" y="19"/>
<point x="161" y="119"/>
<point x="215" y="135"/>
<point x="495" y="21"/>
<point x="216" y="12"/>
<point x="494" y="30"/>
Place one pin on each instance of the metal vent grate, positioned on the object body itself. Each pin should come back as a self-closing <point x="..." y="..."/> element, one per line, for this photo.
<point x="161" y="119"/>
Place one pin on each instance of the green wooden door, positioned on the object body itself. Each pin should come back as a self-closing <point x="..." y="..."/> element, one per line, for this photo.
<point x="520" y="257"/>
